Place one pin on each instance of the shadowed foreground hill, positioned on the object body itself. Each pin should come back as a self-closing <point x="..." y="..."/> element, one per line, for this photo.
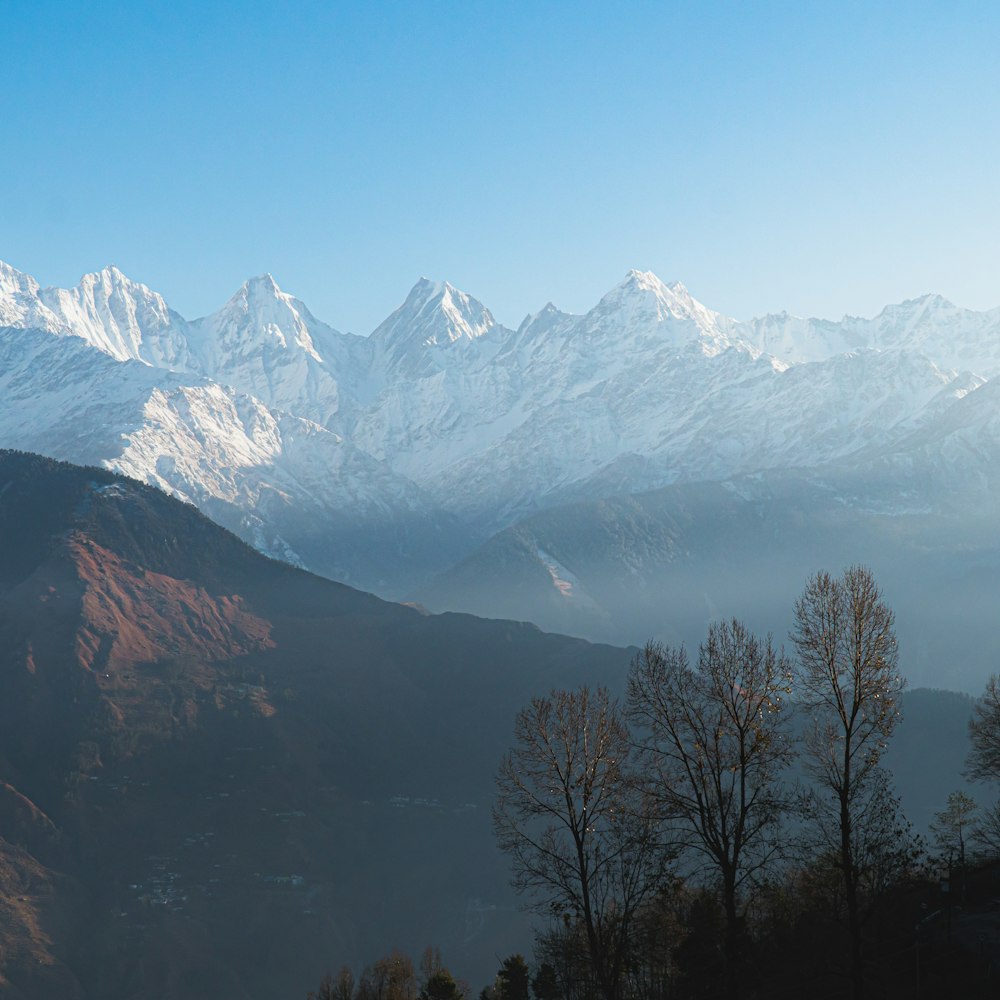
<point x="218" y="773"/>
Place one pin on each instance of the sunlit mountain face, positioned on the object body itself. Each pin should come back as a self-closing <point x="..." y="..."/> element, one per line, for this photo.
<point x="628" y="472"/>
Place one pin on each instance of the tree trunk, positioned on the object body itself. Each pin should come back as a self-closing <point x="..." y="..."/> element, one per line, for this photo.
<point x="733" y="937"/>
<point x="851" y="894"/>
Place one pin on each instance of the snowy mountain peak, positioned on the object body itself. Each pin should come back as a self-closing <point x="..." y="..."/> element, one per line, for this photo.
<point x="545" y="314"/>
<point x="262" y="285"/>
<point x="14" y="282"/>
<point x="260" y="317"/>
<point x="19" y="302"/>
<point x="917" y="309"/>
<point x="446" y="314"/>
<point x="117" y="315"/>
<point x="933" y="299"/>
<point x="427" y="288"/>
<point x="111" y="274"/>
<point x="110" y="281"/>
<point x="260" y="296"/>
<point x="435" y="314"/>
<point x="956" y="338"/>
<point x="640" y="283"/>
<point x="646" y="306"/>
<point x="548" y="320"/>
<point x="645" y="291"/>
<point x="261" y="301"/>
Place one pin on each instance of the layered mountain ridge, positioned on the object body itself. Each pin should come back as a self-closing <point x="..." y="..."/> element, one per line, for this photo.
<point x="383" y="460"/>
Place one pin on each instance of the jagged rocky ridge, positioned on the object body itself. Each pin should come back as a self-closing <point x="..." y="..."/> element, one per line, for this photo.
<point x="383" y="459"/>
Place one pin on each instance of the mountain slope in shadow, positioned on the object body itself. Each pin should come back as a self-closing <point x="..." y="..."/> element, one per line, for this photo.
<point x="222" y="774"/>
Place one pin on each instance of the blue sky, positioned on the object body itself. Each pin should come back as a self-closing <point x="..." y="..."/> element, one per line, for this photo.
<point x="821" y="158"/>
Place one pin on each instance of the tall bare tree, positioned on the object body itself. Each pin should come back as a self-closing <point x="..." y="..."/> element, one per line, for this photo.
<point x="390" y="978"/>
<point x="568" y="815"/>
<point x="715" y="742"/>
<point x="953" y="826"/>
<point x="983" y="762"/>
<point x="850" y="684"/>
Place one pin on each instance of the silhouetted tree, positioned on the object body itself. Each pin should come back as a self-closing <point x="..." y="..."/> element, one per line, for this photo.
<point x="326" y="990"/>
<point x="986" y="833"/>
<point x="513" y="979"/>
<point x="343" y="985"/>
<point x="952" y="827"/>
<point x="390" y="978"/>
<point x="441" y="986"/>
<point x="983" y="762"/>
<point x="660" y="928"/>
<point x="564" y="949"/>
<point x="850" y="685"/>
<point x="430" y="962"/>
<point x="545" y="984"/>
<point x="568" y="815"/>
<point x="713" y="737"/>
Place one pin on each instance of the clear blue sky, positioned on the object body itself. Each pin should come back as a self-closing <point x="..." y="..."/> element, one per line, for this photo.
<point x="819" y="157"/>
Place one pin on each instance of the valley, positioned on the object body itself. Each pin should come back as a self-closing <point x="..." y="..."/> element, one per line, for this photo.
<point x="445" y="457"/>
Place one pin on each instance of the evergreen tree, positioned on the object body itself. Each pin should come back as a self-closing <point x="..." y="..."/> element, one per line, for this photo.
<point x="513" y="979"/>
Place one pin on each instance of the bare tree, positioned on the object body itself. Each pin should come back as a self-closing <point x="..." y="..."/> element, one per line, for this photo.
<point x="952" y="827"/>
<point x="430" y="962"/>
<point x="343" y="986"/>
<point x="390" y="978"/>
<point x="986" y="833"/>
<point x="714" y="739"/>
<point x="567" y="813"/>
<point x="983" y="762"/>
<point x="326" y="991"/>
<point x="850" y="685"/>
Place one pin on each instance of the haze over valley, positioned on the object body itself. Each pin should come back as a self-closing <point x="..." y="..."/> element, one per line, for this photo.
<point x="499" y="501"/>
<point x="631" y="472"/>
<point x="222" y="774"/>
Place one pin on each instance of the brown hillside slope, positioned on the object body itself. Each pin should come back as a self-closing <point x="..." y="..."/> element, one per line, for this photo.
<point x="247" y="773"/>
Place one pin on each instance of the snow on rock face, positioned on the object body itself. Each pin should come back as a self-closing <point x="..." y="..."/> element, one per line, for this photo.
<point x="267" y="343"/>
<point x="20" y="304"/>
<point x="797" y="341"/>
<point x="196" y="439"/>
<point x="950" y="336"/>
<point x="565" y="582"/>
<point x="645" y="308"/>
<point x="120" y="317"/>
<point x="547" y="322"/>
<point x="262" y="406"/>
<point x="956" y="456"/>
<point x="496" y="433"/>
<point x="954" y="337"/>
<point x="258" y="318"/>
<point x="434" y="315"/>
<point x="263" y="341"/>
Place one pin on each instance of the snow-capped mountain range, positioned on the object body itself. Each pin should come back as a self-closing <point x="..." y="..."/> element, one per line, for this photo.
<point x="379" y="459"/>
